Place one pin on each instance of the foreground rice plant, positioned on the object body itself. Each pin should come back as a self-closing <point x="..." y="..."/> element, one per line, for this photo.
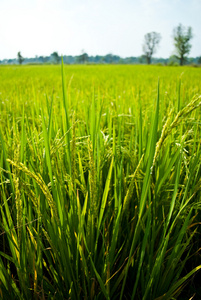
<point x="100" y="193"/>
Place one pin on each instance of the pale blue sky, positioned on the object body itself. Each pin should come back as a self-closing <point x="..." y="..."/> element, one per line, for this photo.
<point x="39" y="27"/>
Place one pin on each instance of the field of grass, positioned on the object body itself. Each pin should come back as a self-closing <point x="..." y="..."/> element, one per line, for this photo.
<point x="100" y="182"/>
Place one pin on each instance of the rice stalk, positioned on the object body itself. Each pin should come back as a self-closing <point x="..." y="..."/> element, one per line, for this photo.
<point x="18" y="200"/>
<point x="92" y="181"/>
<point x="131" y="187"/>
<point x="167" y="128"/>
<point x="73" y="153"/>
<point x="41" y="184"/>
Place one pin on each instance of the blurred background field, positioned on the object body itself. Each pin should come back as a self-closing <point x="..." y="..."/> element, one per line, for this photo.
<point x="25" y="85"/>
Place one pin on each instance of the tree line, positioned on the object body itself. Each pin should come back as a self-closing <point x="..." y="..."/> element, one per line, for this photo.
<point x="181" y="37"/>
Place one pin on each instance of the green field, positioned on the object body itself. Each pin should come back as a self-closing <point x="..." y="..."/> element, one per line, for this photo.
<point x="100" y="189"/>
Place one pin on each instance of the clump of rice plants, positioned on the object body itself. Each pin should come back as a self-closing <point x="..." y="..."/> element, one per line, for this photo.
<point x="100" y="182"/>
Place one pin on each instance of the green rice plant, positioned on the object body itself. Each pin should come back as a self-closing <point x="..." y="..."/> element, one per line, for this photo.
<point x="100" y="185"/>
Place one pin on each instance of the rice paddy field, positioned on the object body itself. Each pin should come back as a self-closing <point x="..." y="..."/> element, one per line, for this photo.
<point x="100" y="182"/>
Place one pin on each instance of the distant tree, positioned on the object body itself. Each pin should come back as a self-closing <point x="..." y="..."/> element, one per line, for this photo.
<point x="97" y="58"/>
<point x="46" y="59"/>
<point x="10" y="61"/>
<point x="173" y="61"/>
<point x="20" y="58"/>
<point x="56" y="57"/>
<point x="199" y="60"/>
<point x="102" y="60"/>
<point x="83" y="58"/>
<point x="41" y="59"/>
<point x="151" y="41"/>
<point x="116" y="59"/>
<point x="69" y="59"/>
<point x="143" y="59"/>
<point x="108" y="58"/>
<point x="182" y="37"/>
<point x="190" y="60"/>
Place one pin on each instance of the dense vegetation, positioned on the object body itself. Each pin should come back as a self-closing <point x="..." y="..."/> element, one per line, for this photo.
<point x="100" y="182"/>
<point x="84" y="58"/>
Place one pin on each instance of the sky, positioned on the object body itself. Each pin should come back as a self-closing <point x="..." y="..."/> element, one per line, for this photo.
<point x="98" y="27"/>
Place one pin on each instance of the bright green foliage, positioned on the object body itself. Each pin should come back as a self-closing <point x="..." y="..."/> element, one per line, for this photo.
<point x="100" y="172"/>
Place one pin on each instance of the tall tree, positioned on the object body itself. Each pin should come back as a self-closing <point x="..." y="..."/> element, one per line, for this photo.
<point x="20" y="58"/>
<point x="182" y="37"/>
<point x="151" y="41"/>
